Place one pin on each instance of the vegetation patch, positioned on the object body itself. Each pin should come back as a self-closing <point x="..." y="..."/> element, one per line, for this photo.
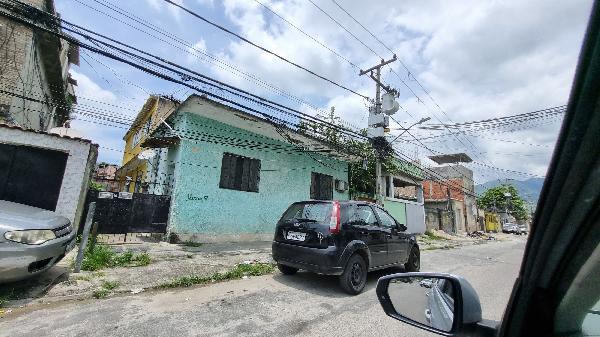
<point x="191" y="244"/>
<point x="100" y="293"/>
<point x="103" y="256"/>
<point x="432" y="236"/>
<point x="105" y="289"/>
<point x="239" y="271"/>
<point x="110" y="285"/>
<point x="7" y="296"/>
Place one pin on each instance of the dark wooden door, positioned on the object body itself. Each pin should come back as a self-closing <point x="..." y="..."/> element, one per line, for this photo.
<point x="31" y="176"/>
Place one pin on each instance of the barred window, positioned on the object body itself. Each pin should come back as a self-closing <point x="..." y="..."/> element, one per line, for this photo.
<point x="321" y="186"/>
<point x="239" y="173"/>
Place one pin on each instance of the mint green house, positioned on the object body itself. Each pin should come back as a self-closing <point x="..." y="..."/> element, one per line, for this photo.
<point x="233" y="174"/>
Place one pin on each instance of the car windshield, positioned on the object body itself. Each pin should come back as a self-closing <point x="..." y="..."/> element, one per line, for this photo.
<point x="317" y="212"/>
<point x="254" y="167"/>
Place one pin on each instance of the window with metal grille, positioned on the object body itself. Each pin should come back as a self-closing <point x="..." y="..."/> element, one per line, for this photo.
<point x="239" y="173"/>
<point x="321" y="186"/>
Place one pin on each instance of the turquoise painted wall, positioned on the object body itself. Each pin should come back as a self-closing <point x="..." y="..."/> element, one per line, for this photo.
<point x="200" y="206"/>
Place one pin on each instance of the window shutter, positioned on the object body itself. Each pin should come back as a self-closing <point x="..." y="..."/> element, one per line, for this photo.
<point x="254" y="175"/>
<point x="227" y="171"/>
<point x="326" y="187"/>
<point x="313" y="185"/>
<point x="245" y="174"/>
<point x="239" y="173"/>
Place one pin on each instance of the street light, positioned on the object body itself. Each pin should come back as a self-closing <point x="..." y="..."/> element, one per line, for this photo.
<point x="423" y="120"/>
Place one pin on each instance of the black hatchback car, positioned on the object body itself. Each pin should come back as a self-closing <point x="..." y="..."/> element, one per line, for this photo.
<point x="345" y="238"/>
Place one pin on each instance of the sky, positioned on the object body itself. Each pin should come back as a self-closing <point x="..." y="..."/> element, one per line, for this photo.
<point x="458" y="61"/>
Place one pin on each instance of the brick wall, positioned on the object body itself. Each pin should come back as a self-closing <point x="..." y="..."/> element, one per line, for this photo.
<point x="434" y="190"/>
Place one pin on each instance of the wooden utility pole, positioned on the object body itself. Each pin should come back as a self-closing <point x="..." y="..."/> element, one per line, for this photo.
<point x="377" y="130"/>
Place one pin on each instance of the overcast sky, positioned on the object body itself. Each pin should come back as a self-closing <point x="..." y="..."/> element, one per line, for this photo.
<point x="477" y="59"/>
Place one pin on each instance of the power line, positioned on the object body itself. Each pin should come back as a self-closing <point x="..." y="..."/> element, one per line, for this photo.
<point x="306" y="34"/>
<point x="106" y="54"/>
<point x="409" y="73"/>
<point x="215" y="60"/>
<point x="365" y="28"/>
<point x="344" y="28"/>
<point x="264" y="49"/>
<point x="228" y="88"/>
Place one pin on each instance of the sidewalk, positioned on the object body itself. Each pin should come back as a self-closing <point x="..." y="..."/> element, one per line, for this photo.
<point x="168" y="262"/>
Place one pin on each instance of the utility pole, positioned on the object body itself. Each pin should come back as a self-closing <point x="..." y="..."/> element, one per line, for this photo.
<point x="377" y="121"/>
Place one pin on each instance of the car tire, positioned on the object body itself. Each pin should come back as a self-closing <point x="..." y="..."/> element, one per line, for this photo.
<point x="287" y="270"/>
<point x="354" y="277"/>
<point x="414" y="260"/>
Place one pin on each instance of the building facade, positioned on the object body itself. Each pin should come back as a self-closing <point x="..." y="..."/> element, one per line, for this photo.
<point x="105" y="175"/>
<point x="139" y="172"/>
<point x="403" y="195"/>
<point x="236" y="173"/>
<point x="46" y="170"/>
<point x="37" y="89"/>
<point x="451" y="189"/>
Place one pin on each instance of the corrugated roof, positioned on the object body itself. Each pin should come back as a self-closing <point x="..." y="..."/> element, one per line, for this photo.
<point x="16" y="127"/>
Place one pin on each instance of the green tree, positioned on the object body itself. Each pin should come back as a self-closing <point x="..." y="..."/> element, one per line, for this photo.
<point x="361" y="176"/>
<point x="96" y="186"/>
<point x="494" y="199"/>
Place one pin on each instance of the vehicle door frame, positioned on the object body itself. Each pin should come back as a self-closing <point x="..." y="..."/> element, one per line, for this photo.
<point x="398" y="242"/>
<point x="375" y="238"/>
<point x="564" y="232"/>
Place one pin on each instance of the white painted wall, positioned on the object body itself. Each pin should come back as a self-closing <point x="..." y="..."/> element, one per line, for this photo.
<point x="80" y="164"/>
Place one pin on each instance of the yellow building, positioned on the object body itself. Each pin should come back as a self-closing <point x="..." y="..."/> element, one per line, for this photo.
<point x="491" y="222"/>
<point x="135" y="174"/>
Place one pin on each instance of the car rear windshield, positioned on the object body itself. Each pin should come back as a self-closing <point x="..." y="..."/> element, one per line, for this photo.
<point x="318" y="212"/>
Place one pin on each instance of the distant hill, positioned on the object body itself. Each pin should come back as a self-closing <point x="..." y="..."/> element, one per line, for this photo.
<point x="528" y="189"/>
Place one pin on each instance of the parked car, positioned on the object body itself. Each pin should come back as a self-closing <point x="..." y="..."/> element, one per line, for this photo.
<point x="440" y="304"/>
<point x="509" y="228"/>
<point x="31" y="240"/>
<point x="523" y="229"/>
<point x="345" y="238"/>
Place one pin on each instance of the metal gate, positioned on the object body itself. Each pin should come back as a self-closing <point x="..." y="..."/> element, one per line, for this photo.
<point x="123" y="213"/>
<point x="31" y="176"/>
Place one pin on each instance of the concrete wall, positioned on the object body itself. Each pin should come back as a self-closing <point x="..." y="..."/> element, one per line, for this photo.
<point x="456" y="175"/>
<point x="406" y="212"/>
<point x="432" y="218"/>
<point x="24" y="72"/>
<point x="78" y="171"/>
<point x="203" y="211"/>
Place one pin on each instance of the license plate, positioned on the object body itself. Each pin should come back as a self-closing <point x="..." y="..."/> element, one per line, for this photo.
<point x="296" y="236"/>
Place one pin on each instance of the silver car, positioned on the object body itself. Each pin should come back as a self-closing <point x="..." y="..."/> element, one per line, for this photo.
<point x="31" y="240"/>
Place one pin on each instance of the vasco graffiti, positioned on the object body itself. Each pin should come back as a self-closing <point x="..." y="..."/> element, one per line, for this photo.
<point x="195" y="198"/>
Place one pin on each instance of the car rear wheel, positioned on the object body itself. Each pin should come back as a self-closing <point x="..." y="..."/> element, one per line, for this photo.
<point x="355" y="275"/>
<point x="414" y="260"/>
<point x="287" y="270"/>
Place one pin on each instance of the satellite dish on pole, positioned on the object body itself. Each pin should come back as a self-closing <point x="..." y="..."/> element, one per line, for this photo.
<point x="146" y="154"/>
<point x="389" y="106"/>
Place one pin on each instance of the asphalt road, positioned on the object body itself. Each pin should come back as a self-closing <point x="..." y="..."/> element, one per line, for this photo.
<point x="274" y="305"/>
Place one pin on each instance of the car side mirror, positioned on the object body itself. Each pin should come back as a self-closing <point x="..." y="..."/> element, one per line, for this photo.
<point x="400" y="227"/>
<point x="440" y="303"/>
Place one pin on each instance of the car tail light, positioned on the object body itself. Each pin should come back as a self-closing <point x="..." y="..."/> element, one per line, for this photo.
<point x="334" y="223"/>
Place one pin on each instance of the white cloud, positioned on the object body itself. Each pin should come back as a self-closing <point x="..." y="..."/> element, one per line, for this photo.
<point x="479" y="60"/>
<point x="99" y="102"/>
<point x="159" y="6"/>
<point x="195" y="51"/>
<point x="208" y="3"/>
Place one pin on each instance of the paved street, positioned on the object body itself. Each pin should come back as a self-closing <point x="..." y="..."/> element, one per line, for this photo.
<point x="274" y="305"/>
